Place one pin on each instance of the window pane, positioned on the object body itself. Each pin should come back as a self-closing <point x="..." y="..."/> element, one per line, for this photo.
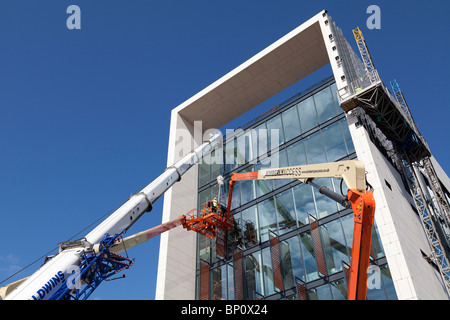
<point x="291" y="261"/>
<point x="291" y="124"/>
<point x="285" y="212"/>
<point x="320" y="293"/>
<point x="281" y="162"/>
<point x="215" y="191"/>
<point x="248" y="192"/>
<point x="334" y="94"/>
<point x="245" y="148"/>
<point x="216" y="163"/>
<point x="250" y="227"/>
<point x="253" y="275"/>
<point x="269" y="287"/>
<point x="314" y="149"/>
<point x="219" y="283"/>
<point x="324" y="105"/>
<point x="203" y="197"/>
<point x="204" y="169"/>
<point x="334" y="246"/>
<point x="267" y="218"/>
<point x="204" y="248"/>
<point x="263" y="186"/>
<point x="388" y="283"/>
<point x="376" y="242"/>
<point x="230" y="271"/>
<point x="334" y="142"/>
<point x="296" y="154"/>
<point x="309" y="259"/>
<point x="230" y="155"/>
<point x="339" y="290"/>
<point x="304" y="203"/>
<point x="347" y="225"/>
<point x="347" y="136"/>
<point x="307" y="114"/>
<point x="274" y="129"/>
<point x="260" y="141"/>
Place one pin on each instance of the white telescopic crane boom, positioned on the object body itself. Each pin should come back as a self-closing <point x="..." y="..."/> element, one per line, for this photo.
<point x="58" y="271"/>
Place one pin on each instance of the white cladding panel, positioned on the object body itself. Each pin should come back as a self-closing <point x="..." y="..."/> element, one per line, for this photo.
<point x="399" y="227"/>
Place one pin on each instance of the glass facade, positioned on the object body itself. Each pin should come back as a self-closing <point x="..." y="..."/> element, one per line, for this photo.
<point x="289" y="241"/>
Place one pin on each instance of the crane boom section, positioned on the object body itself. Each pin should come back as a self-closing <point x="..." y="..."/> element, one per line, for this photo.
<point x="142" y="202"/>
<point x="51" y="276"/>
<point x="141" y="237"/>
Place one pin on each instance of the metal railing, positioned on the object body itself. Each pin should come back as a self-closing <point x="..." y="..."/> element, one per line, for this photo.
<point x="358" y="85"/>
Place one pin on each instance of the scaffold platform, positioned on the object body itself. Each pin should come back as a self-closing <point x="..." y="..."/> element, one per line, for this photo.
<point x="387" y="114"/>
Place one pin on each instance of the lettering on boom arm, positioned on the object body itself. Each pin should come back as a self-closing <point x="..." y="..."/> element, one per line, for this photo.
<point x="296" y="171"/>
<point x="48" y="286"/>
<point x="284" y="172"/>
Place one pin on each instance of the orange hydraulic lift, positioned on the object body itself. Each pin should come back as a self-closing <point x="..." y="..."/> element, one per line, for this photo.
<point x="360" y="200"/>
<point x="208" y="220"/>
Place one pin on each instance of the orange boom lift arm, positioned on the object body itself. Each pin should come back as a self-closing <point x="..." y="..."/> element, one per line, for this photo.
<point x="360" y="200"/>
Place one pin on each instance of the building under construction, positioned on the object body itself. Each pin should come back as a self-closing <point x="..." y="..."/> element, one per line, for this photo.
<point x="288" y="240"/>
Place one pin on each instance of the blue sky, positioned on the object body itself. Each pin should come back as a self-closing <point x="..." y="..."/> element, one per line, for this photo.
<point x="84" y="114"/>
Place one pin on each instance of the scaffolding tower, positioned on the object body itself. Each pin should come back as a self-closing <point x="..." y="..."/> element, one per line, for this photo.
<point x="391" y="115"/>
<point x="365" y="55"/>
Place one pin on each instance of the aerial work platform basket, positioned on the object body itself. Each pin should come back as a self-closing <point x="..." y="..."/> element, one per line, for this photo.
<point x="209" y="220"/>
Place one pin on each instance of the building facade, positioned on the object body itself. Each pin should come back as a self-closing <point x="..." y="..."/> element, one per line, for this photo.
<point x="311" y="129"/>
<point x="289" y="241"/>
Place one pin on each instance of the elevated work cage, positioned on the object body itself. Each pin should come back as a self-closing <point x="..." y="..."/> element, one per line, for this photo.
<point x="209" y="220"/>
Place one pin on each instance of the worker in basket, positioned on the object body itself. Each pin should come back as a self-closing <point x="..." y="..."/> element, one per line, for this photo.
<point x="213" y="204"/>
